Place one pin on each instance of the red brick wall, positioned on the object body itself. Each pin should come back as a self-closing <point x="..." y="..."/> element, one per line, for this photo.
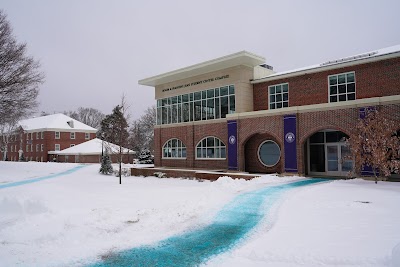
<point x="372" y="80"/>
<point x="48" y="142"/>
<point x="190" y="135"/>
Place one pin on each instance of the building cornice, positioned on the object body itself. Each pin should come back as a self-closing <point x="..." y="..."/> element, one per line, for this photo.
<point x="365" y="102"/>
<point x="241" y="58"/>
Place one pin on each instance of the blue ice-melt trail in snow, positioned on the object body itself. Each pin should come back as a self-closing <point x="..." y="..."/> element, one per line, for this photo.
<point x="233" y="223"/>
<point x="34" y="180"/>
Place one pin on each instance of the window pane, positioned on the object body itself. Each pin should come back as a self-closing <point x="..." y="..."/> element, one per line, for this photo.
<point x="199" y="152"/>
<point x="350" y="77"/>
<point x="285" y="104"/>
<point x="279" y="105"/>
<point x="224" y="90"/>
<point x="333" y="99"/>
<point x="210" y="141"/>
<point x="317" y="138"/>
<point x="184" y="152"/>
<point x="272" y="89"/>
<point x="269" y="153"/>
<point x="217" y="108"/>
<point x="351" y="88"/>
<point x="272" y="106"/>
<point x="278" y="97"/>
<point x="285" y="88"/>
<point x="351" y="96"/>
<point x="333" y="90"/>
<point x="223" y="152"/>
<point x="278" y="88"/>
<point x="174" y="142"/>
<point x="342" y="88"/>
<point x="185" y="98"/>
<point x="216" y="91"/>
<point x="342" y="98"/>
<point x="231" y="89"/>
<point x="285" y="97"/>
<point x="197" y="96"/>
<point x="231" y="104"/>
<point x="272" y="98"/>
<point x="224" y="106"/>
<point x="341" y="78"/>
<point x="210" y="93"/>
<point x="333" y="80"/>
<point x="203" y="94"/>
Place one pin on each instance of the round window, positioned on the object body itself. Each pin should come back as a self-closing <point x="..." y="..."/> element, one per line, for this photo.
<point x="269" y="153"/>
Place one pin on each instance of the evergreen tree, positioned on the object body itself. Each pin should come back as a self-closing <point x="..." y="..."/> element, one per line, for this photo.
<point x="114" y="130"/>
<point x="145" y="157"/>
<point x="106" y="167"/>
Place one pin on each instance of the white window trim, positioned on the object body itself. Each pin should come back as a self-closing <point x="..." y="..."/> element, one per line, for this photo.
<point x="55" y="147"/>
<point x="258" y="153"/>
<point x="183" y="146"/>
<point x="87" y="136"/>
<point x="201" y="140"/>
<point x="269" y="96"/>
<point x="72" y="135"/>
<point x="41" y="147"/>
<point x="55" y="135"/>
<point x="355" y="87"/>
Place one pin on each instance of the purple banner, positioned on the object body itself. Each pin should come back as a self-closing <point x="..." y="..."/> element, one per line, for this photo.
<point x="289" y="125"/>
<point x="232" y="146"/>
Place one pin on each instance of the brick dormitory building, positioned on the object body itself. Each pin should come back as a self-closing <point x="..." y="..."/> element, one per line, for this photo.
<point x="236" y="113"/>
<point x="41" y="138"/>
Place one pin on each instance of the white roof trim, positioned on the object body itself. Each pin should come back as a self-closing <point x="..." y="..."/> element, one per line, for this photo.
<point x="385" y="53"/>
<point x="236" y="59"/>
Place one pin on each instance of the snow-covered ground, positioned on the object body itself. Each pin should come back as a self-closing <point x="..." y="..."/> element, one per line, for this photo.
<point x="71" y="219"/>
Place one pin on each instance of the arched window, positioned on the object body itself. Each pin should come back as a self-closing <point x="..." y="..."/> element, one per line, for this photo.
<point x="174" y="148"/>
<point x="210" y="148"/>
<point x="269" y="153"/>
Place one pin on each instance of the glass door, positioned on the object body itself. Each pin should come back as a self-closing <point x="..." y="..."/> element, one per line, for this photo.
<point x="336" y="161"/>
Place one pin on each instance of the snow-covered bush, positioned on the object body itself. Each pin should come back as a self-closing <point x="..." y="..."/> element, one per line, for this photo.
<point x="106" y="167"/>
<point x="145" y="157"/>
<point x="160" y="175"/>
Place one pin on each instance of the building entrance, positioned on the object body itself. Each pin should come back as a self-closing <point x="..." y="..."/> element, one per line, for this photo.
<point x="327" y="154"/>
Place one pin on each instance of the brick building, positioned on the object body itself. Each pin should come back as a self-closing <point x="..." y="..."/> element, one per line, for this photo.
<point x="236" y="113"/>
<point x="38" y="139"/>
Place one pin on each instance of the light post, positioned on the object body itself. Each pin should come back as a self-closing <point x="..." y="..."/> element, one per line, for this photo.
<point x="102" y="145"/>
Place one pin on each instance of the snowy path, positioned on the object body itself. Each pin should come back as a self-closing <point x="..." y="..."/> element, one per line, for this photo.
<point x="230" y="226"/>
<point x="34" y="180"/>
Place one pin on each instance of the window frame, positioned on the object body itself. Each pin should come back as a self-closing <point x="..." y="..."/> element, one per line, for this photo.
<point x="72" y="135"/>
<point x="275" y="95"/>
<point x="57" y="135"/>
<point x="87" y="136"/>
<point x="55" y="147"/>
<point x="258" y="153"/>
<point x="183" y="146"/>
<point x="209" y="147"/>
<point x="337" y="86"/>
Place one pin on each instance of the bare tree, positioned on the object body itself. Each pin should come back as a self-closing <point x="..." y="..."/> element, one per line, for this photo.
<point x="142" y="131"/>
<point x="88" y="116"/>
<point x="376" y="144"/>
<point x="19" y="76"/>
<point x="7" y="129"/>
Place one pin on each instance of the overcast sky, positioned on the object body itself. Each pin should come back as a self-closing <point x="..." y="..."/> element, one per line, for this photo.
<point x="93" y="51"/>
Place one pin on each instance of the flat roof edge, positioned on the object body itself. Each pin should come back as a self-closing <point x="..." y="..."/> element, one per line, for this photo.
<point x="254" y="60"/>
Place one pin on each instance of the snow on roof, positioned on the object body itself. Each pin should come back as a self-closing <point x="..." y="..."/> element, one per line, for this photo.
<point x="368" y="55"/>
<point x="55" y="122"/>
<point x="92" y="147"/>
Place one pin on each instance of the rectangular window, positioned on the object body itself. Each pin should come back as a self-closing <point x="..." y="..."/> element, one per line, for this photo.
<point x="57" y="135"/>
<point x="278" y="96"/>
<point x="11" y="148"/>
<point x="57" y="147"/>
<point x="87" y="136"/>
<point x="72" y="145"/>
<point x="37" y="147"/>
<point x="27" y="136"/>
<point x="42" y="135"/>
<point x="72" y="135"/>
<point x="27" y="148"/>
<point x="41" y="147"/>
<point x="342" y="87"/>
<point x="37" y="135"/>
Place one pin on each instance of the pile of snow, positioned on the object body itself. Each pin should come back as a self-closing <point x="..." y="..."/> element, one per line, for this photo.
<point x="85" y="215"/>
